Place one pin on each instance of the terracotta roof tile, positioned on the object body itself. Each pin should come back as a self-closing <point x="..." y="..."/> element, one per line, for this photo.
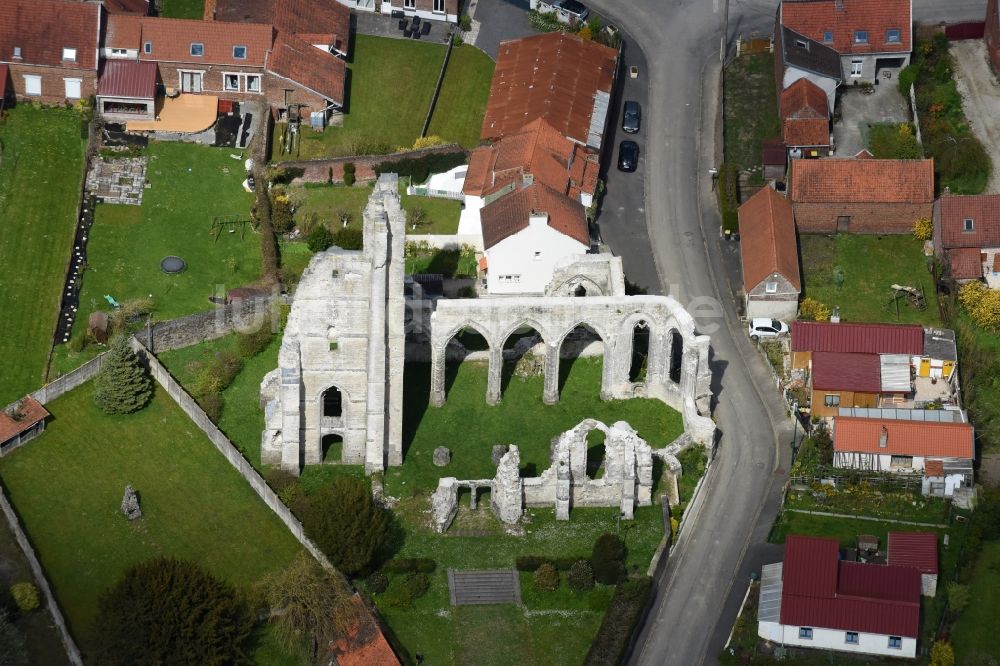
<point x="171" y="41"/>
<point x="805" y="115"/>
<point x="124" y="31"/>
<point x="557" y="76"/>
<point x="982" y="209"/>
<point x="911" y="438"/>
<point x="767" y="239"/>
<point x="128" y="78"/>
<point x="32" y="412"/>
<point x="917" y="550"/>
<point x="321" y="72"/>
<point x="843" y="18"/>
<point x="42" y="28"/>
<point x="848" y="180"/>
<point x="365" y="643"/>
<point x="509" y="214"/>
<point x="933" y="468"/>
<point x="301" y="17"/>
<point x="834" y="371"/>
<point x="820" y="336"/>
<point x="140" y="7"/>
<point x="965" y="263"/>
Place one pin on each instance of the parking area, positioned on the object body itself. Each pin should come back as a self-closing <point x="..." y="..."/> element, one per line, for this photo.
<point x="980" y="98"/>
<point x="858" y="110"/>
<point x="499" y="20"/>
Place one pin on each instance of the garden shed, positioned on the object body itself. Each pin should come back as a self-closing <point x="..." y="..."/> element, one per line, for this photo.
<point x="20" y="422"/>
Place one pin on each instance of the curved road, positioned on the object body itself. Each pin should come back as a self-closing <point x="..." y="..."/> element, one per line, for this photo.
<point x="704" y="583"/>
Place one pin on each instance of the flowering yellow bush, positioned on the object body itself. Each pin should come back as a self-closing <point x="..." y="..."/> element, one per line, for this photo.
<point x="923" y="229"/>
<point x="428" y="142"/>
<point x="982" y="304"/>
<point x="813" y="310"/>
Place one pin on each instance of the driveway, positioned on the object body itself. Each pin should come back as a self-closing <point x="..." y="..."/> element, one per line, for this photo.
<point x="498" y="20"/>
<point x="859" y="110"/>
<point x="980" y="99"/>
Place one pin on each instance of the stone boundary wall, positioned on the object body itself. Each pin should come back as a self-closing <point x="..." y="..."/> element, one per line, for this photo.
<point x="244" y="316"/>
<point x="318" y="171"/>
<point x="69" y="381"/>
<point x="437" y="88"/>
<point x="72" y="651"/>
<point x="916" y="116"/>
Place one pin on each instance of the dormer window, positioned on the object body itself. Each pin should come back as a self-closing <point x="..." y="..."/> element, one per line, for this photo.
<point x="69" y="54"/>
<point x="239" y="52"/>
<point x="17" y="52"/>
<point x="892" y="36"/>
<point x="828" y="36"/>
<point x="197" y="49"/>
<point x="860" y="36"/>
<point x="147" y="47"/>
<point x="968" y="225"/>
<point x="802" y="44"/>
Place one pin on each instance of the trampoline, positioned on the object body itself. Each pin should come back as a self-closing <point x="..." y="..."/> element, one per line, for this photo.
<point x="172" y="265"/>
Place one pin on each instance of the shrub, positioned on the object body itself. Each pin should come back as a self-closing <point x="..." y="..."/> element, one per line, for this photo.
<point x="416" y="217"/>
<point x="907" y="77"/>
<point x="211" y="403"/>
<point x="349" y="238"/>
<point x="282" y="219"/>
<point x="417" y="584"/>
<point x="609" y="547"/>
<point x="456" y="40"/>
<point x="349" y="177"/>
<point x="419" y="169"/>
<point x="25" y="595"/>
<point x="377" y="582"/>
<point x="78" y="343"/>
<point x="546" y="578"/>
<point x="428" y="142"/>
<point x="942" y="654"/>
<point x="958" y="597"/>
<point x="607" y="559"/>
<point x="171" y="611"/>
<point x="250" y="344"/>
<point x="982" y="304"/>
<point x="812" y="310"/>
<point x="319" y="239"/>
<point x="467" y="291"/>
<point x="544" y="21"/>
<point x="728" y="199"/>
<point x="581" y="576"/>
<point x="285" y="175"/>
<point x="410" y="565"/>
<point x="530" y="562"/>
<point x="122" y="385"/>
<point x="261" y="212"/>
<point x="346" y="523"/>
<point x="565" y="563"/>
<point x="619" y="622"/>
<point x="894" y="141"/>
<point x="465" y="23"/>
<point x="923" y="229"/>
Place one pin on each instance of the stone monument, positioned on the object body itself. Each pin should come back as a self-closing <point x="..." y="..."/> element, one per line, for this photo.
<point x="130" y="504"/>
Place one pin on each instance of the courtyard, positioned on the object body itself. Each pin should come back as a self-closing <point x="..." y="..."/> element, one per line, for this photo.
<point x="858" y="110"/>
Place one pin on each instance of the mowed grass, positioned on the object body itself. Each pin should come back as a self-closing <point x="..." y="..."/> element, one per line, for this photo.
<point x="461" y="104"/>
<point x="975" y="635"/>
<point x="40" y="177"/>
<point x="190" y="187"/>
<point x="67" y="488"/>
<point x="870" y="265"/>
<point x="325" y="202"/>
<point x="186" y="9"/>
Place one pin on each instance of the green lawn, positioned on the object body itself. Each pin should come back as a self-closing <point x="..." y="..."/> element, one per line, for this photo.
<point x="326" y="200"/>
<point x="458" y="114"/>
<point x="188" y="9"/>
<point x="449" y="263"/>
<point x="40" y="178"/>
<point x="870" y="264"/>
<point x="190" y="186"/>
<point x="751" y="110"/>
<point x="975" y="633"/>
<point x="67" y="487"/>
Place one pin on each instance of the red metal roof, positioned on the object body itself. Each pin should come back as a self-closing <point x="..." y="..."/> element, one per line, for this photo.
<point x="909" y="438"/>
<point x="819" y="591"/>
<point x="128" y="78"/>
<point x="848" y="180"/>
<point x="917" y="550"/>
<point x="858" y="338"/>
<point x="31" y="412"/>
<point x="837" y="371"/>
<point x="43" y="28"/>
<point x="982" y="209"/>
<point x="768" y="243"/>
<point x="813" y="18"/>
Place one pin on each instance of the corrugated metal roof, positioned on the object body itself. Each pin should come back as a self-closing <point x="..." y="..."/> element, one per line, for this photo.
<point x="128" y="78"/>
<point x="810" y="567"/>
<point x="917" y="550"/>
<point x="929" y="415"/>
<point x="894" y="373"/>
<point x="769" y="606"/>
<point x="858" y="338"/>
<point x="832" y="371"/>
<point x="910" y="438"/>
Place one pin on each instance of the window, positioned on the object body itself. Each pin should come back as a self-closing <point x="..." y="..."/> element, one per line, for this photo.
<point x="231" y="82"/>
<point x="409" y="4"/>
<point x="73" y="88"/>
<point x="860" y="36"/>
<point x="827" y="36"/>
<point x="197" y="49"/>
<point x="856" y="68"/>
<point x="439" y="6"/>
<point x="832" y="400"/>
<point x="892" y="36"/>
<point x="895" y="642"/>
<point x="240" y="52"/>
<point x="901" y="462"/>
<point x="538" y="255"/>
<point x="17" y="52"/>
<point x="968" y="224"/>
<point x="32" y="84"/>
<point x="147" y="47"/>
<point x="119" y="52"/>
<point x="806" y="633"/>
<point x="253" y="82"/>
<point x="851" y="638"/>
<point x="69" y="54"/>
<point x="771" y="287"/>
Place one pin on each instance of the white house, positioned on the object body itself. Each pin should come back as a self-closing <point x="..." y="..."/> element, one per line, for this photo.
<point x="798" y="57"/>
<point x="526" y="233"/>
<point x="815" y="600"/>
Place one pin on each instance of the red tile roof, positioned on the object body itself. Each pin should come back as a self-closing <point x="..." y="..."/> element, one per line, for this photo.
<point x="843" y="17"/>
<point x="819" y="591"/>
<point x="805" y="115"/>
<point x="140" y="7"/>
<point x="306" y="18"/>
<point x="767" y="239"/>
<point x="557" y="76"/>
<point x="538" y="149"/>
<point x="365" y="643"/>
<point x="908" y="438"/>
<point x="509" y="214"/>
<point x="933" y="468"/>
<point x="321" y="72"/>
<point x="128" y="78"/>
<point x="835" y="371"/>
<point x="917" y="550"/>
<point x="965" y="263"/>
<point x="123" y="31"/>
<point x="31" y="413"/>
<point x="864" y="154"/>
<point x="42" y="28"/>
<point x="171" y="41"/>
<point x="819" y="336"/>
<point x="982" y="209"/>
<point x="848" y="180"/>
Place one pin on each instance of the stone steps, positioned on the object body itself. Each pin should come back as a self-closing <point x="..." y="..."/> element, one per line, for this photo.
<point x="500" y="586"/>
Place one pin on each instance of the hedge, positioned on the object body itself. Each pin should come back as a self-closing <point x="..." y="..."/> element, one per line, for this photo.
<point x="419" y="169"/>
<point x="410" y="565"/>
<point x="728" y="184"/>
<point x="532" y="562"/>
<point x="619" y="623"/>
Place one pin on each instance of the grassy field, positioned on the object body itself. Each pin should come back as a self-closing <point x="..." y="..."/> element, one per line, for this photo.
<point x="441" y="215"/>
<point x="191" y="184"/>
<point x="974" y="635"/>
<point x="458" y="114"/>
<point x="751" y="110"/>
<point x="40" y="178"/>
<point x="67" y="487"/>
<point x="870" y="264"/>
<point x="187" y="9"/>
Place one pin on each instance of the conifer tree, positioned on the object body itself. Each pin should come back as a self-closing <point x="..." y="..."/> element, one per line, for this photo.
<point x="122" y="385"/>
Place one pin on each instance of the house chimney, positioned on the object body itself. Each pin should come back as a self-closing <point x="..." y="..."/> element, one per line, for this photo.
<point x="883" y="438"/>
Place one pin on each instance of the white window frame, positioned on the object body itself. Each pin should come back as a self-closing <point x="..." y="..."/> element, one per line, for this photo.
<point x="831" y="400"/>
<point x="242" y="82"/>
<point x="436" y="5"/>
<point x="119" y="52"/>
<point x="827" y="33"/>
<point x="201" y="48"/>
<point x="17" y="53"/>
<point x="858" y="34"/>
<point x="34" y="78"/>
<point x="770" y="287"/>
<point x="225" y="82"/>
<point x="180" y="78"/>
<point x="889" y="34"/>
<point x="857" y="66"/>
<point x="806" y="633"/>
<point x="79" y="83"/>
<point x="895" y="642"/>
<point x="260" y="83"/>
<point x="69" y="54"/>
<point x="147" y="47"/>
<point x="900" y="462"/>
<point x="852" y="634"/>
<point x="239" y="57"/>
<point x="968" y="225"/>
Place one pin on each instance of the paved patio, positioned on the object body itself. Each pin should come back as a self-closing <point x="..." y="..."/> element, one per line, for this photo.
<point x="380" y="25"/>
<point x="859" y="110"/>
<point x="980" y="99"/>
<point x="118" y="181"/>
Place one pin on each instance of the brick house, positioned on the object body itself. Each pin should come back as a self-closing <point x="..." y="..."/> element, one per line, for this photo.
<point x="770" y="256"/>
<point x="869" y="35"/>
<point x="436" y="10"/>
<point x="967" y="236"/>
<point x="867" y="196"/>
<point x="50" y="49"/>
<point x="992" y="34"/>
<point x="805" y="120"/>
<point x="324" y="24"/>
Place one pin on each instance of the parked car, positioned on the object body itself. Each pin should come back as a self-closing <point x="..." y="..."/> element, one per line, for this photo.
<point x="572" y="8"/>
<point x="628" y="155"/>
<point x="632" y="117"/>
<point x="761" y="327"/>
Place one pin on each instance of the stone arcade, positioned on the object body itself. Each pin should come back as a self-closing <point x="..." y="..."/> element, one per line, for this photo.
<point x="339" y="384"/>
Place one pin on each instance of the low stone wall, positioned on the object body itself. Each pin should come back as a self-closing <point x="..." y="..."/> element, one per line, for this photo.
<point x="243" y="316"/>
<point x="323" y="170"/>
<point x="72" y="652"/>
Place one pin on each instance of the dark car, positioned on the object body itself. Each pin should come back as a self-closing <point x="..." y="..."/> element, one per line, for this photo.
<point x="573" y="8"/>
<point x="632" y="117"/>
<point x="628" y="155"/>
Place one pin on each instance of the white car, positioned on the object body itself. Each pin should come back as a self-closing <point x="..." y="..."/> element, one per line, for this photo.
<point x="766" y="328"/>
